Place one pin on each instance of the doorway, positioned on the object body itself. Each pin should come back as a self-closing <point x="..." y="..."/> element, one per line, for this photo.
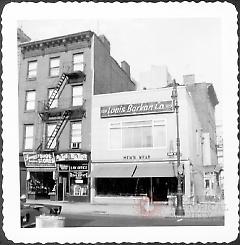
<point x="164" y="186"/>
<point x="63" y="186"/>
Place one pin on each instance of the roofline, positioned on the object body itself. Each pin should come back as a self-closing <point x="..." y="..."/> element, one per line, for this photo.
<point x="26" y="44"/>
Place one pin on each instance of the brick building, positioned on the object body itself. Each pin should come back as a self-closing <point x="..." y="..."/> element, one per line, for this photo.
<point x="57" y="78"/>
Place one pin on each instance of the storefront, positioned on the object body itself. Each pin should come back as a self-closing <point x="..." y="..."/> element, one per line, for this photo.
<point x="156" y="180"/>
<point x="72" y="181"/>
<point x="40" y="175"/>
<point x="60" y="176"/>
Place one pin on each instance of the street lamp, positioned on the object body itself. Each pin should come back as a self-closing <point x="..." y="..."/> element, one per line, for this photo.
<point x="179" y="208"/>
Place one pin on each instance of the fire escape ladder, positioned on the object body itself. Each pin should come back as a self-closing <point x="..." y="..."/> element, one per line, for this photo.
<point x="60" y="125"/>
<point x="57" y="91"/>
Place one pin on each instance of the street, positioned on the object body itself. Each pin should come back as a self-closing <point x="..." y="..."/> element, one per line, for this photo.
<point x="103" y="220"/>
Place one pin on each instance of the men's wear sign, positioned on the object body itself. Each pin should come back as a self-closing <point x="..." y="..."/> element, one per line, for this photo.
<point x="36" y="160"/>
<point x="136" y="109"/>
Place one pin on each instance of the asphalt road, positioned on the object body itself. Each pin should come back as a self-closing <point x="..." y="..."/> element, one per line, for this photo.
<point x="103" y="220"/>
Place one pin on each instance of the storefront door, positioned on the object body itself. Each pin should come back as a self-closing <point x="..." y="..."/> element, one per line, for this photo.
<point x="62" y="186"/>
<point x="160" y="189"/>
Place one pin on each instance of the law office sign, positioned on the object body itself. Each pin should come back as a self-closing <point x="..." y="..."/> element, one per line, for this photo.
<point x="136" y="109"/>
<point x="39" y="160"/>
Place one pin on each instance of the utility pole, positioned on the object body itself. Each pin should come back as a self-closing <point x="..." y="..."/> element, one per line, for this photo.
<point x="179" y="208"/>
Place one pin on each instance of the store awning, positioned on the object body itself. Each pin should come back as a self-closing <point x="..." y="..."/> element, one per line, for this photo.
<point x="164" y="169"/>
<point x="136" y="170"/>
<point x="108" y="170"/>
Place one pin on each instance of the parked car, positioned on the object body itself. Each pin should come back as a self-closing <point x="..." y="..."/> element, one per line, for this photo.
<point x="29" y="212"/>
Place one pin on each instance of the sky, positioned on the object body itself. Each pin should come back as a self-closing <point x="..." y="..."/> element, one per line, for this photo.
<point x="184" y="45"/>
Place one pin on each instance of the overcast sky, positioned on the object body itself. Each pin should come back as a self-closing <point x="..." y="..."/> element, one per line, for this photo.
<point x="185" y="45"/>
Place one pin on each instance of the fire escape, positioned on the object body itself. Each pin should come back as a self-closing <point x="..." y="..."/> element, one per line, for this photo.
<point x="61" y="115"/>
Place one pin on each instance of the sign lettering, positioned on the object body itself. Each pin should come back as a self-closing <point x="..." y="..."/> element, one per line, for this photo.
<point x="136" y="109"/>
<point x="43" y="160"/>
<point x="79" y="167"/>
<point x="71" y="156"/>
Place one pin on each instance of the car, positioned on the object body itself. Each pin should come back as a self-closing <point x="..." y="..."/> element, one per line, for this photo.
<point x="29" y="212"/>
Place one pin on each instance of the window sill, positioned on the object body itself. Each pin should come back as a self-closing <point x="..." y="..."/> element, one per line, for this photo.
<point x="27" y="111"/>
<point x="53" y="76"/>
<point x="31" y="78"/>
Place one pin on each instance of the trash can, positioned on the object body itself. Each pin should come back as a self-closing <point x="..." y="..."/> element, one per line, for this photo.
<point x="48" y="221"/>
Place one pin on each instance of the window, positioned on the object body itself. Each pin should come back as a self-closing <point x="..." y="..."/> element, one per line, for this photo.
<point x="54" y="66"/>
<point x="32" y="69"/>
<point x="77" y="95"/>
<point x="207" y="183"/>
<point x="115" y="135"/>
<point x="140" y="134"/>
<point x="137" y="134"/>
<point x="79" y="183"/>
<point x="78" y="64"/>
<point x="30" y="100"/>
<point x="159" y="133"/>
<point x="55" y="101"/>
<point x="28" y="137"/>
<point x="50" y="129"/>
<point x="76" y="132"/>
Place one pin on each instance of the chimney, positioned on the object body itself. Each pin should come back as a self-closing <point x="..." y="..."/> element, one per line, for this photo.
<point x="125" y="66"/>
<point x="188" y="79"/>
<point x="105" y="42"/>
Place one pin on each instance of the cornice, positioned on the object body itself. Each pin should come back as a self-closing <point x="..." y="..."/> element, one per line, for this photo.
<point x="56" y="41"/>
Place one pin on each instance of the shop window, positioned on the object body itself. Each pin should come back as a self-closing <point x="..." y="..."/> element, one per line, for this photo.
<point x="41" y="184"/>
<point x="78" y="183"/>
<point x="30" y="100"/>
<point x="50" y="129"/>
<point x="32" y="69"/>
<point x="76" y="133"/>
<point x="55" y="101"/>
<point x="140" y="134"/>
<point x="28" y="137"/>
<point x="54" y="66"/>
<point x="78" y="64"/>
<point x="77" y="95"/>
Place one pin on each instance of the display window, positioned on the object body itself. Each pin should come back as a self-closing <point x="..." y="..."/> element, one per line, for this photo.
<point x="41" y="184"/>
<point x="78" y="183"/>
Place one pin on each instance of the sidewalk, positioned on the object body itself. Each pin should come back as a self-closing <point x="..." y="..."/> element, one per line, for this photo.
<point x="138" y="209"/>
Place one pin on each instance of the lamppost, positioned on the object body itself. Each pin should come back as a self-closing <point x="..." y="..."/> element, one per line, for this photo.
<point x="179" y="208"/>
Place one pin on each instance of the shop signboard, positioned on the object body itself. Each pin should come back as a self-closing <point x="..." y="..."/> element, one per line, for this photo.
<point x="136" y="109"/>
<point x="79" y="167"/>
<point x="71" y="156"/>
<point x="39" y="160"/>
<point x="63" y="167"/>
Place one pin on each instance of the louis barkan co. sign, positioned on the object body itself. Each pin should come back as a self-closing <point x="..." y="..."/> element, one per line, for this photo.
<point x="136" y="109"/>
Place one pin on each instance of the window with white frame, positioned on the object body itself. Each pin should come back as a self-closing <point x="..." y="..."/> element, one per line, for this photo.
<point x="78" y="64"/>
<point x="50" y="129"/>
<point x="55" y="101"/>
<point x="32" y="69"/>
<point x="77" y="95"/>
<point x="30" y="100"/>
<point x="28" y="137"/>
<point x="76" y="132"/>
<point x="54" y="66"/>
<point x="138" y="134"/>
